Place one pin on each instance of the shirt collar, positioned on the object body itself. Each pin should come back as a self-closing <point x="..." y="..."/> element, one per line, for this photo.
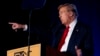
<point x="73" y="23"/>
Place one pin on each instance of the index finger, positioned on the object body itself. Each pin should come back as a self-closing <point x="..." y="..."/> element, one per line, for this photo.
<point x="11" y="23"/>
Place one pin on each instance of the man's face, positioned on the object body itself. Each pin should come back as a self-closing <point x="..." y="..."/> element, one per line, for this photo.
<point x="64" y="15"/>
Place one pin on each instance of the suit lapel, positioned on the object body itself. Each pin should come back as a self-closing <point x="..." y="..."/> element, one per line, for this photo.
<point x="58" y="35"/>
<point x="74" y="37"/>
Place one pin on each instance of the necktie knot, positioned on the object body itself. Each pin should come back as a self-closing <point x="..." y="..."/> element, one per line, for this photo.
<point x="67" y="28"/>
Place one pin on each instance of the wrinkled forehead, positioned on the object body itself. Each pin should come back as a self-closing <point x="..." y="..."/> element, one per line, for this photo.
<point x="64" y="8"/>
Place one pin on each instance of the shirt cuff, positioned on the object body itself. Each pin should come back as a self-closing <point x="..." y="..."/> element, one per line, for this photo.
<point x="26" y="27"/>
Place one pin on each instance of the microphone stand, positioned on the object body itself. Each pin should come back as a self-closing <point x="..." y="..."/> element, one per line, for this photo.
<point x="28" y="52"/>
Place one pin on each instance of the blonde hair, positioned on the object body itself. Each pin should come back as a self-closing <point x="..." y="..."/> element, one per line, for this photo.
<point x="72" y="7"/>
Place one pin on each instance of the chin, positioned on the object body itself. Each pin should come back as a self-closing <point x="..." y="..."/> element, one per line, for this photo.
<point x="63" y="23"/>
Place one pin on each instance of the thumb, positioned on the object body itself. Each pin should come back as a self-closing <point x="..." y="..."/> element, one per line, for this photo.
<point x="76" y="47"/>
<point x="78" y="51"/>
<point x="15" y="30"/>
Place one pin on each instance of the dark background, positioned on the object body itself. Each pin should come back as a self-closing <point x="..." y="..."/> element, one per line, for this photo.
<point x="44" y="18"/>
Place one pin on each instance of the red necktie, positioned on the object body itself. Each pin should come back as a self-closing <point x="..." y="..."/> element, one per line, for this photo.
<point x="65" y="33"/>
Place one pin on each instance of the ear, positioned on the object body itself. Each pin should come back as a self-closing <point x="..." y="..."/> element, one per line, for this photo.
<point x="71" y="13"/>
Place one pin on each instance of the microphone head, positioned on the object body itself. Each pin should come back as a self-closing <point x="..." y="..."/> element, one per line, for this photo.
<point x="32" y="4"/>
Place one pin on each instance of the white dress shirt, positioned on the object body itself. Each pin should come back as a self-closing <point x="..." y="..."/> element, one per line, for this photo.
<point x="65" y="45"/>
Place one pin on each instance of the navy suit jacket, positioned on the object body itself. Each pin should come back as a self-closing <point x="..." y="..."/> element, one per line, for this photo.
<point x="81" y="37"/>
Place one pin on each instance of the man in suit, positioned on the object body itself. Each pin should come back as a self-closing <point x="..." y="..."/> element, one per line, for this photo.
<point x="72" y="37"/>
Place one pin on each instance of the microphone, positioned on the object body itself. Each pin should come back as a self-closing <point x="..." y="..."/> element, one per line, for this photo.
<point x="31" y="5"/>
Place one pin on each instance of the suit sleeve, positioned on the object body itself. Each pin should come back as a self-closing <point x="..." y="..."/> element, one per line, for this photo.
<point x="88" y="44"/>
